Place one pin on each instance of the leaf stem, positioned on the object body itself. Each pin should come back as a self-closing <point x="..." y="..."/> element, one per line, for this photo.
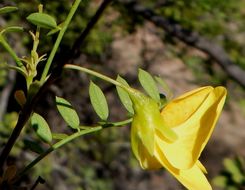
<point x="56" y="146"/>
<point x="10" y="51"/>
<point x="58" y="40"/>
<point x="124" y="122"/>
<point x="96" y="74"/>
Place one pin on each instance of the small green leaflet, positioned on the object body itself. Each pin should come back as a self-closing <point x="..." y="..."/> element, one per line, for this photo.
<point x="68" y="113"/>
<point x="33" y="146"/>
<point x="98" y="101"/>
<point x="148" y="83"/>
<point x="8" y="9"/>
<point x="123" y="95"/>
<point x="42" y="20"/>
<point x="41" y="128"/>
<point x="12" y="29"/>
<point x="167" y="92"/>
<point x="55" y="30"/>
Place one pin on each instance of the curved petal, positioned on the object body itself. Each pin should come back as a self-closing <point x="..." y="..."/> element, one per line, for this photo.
<point x="199" y="164"/>
<point x="135" y="141"/>
<point x="142" y="130"/>
<point x="192" y="178"/>
<point x="141" y="153"/>
<point x="181" y="108"/>
<point x="197" y="126"/>
<point x="146" y="160"/>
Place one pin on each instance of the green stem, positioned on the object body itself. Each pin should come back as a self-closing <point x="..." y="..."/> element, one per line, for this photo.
<point x="56" y="146"/>
<point x="121" y="123"/>
<point x="10" y="51"/>
<point x="58" y="40"/>
<point x="99" y="75"/>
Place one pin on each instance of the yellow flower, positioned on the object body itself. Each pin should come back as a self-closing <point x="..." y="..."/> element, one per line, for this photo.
<point x="175" y="138"/>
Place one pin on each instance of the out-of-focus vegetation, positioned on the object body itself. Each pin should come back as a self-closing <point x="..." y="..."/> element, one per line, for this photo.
<point x="100" y="162"/>
<point x="59" y="10"/>
<point x="218" y="20"/>
<point x="233" y="175"/>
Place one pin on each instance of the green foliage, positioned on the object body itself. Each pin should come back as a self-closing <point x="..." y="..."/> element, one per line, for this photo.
<point x="55" y="30"/>
<point x="8" y="9"/>
<point x="9" y="120"/>
<point x="100" y="36"/>
<point x="6" y="126"/>
<point x="3" y="77"/>
<point x="167" y="93"/>
<point x="68" y="113"/>
<point x="41" y="128"/>
<point x="98" y="101"/>
<point x="123" y="95"/>
<point x="220" y="21"/>
<point x="233" y="175"/>
<point x="92" y="182"/>
<point x="42" y="20"/>
<point x="166" y="90"/>
<point x="149" y="84"/>
<point x="33" y="146"/>
<point x="12" y="29"/>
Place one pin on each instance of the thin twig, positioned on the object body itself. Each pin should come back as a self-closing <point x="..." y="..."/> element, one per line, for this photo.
<point x="39" y="180"/>
<point x="77" y="45"/>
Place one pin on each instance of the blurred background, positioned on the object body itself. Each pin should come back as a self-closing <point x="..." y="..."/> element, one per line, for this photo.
<point x="188" y="43"/>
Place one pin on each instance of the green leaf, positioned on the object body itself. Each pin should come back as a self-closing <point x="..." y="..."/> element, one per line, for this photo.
<point x="33" y="146"/>
<point x="42" y="20"/>
<point x="8" y="9"/>
<point x="124" y="96"/>
<point x="232" y="167"/>
<point x="41" y="127"/>
<point x="53" y="31"/>
<point x="68" y="113"/>
<point x="98" y="101"/>
<point x="148" y="83"/>
<point x="16" y="68"/>
<point x="232" y="187"/>
<point x="220" y="181"/>
<point x="57" y="29"/>
<point x="167" y="92"/>
<point x="12" y="29"/>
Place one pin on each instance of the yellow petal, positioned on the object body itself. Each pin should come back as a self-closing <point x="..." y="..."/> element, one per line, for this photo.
<point x="192" y="178"/>
<point x="135" y="141"/>
<point x="146" y="160"/>
<point x="193" y="127"/>
<point x="181" y="108"/>
<point x="199" y="164"/>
